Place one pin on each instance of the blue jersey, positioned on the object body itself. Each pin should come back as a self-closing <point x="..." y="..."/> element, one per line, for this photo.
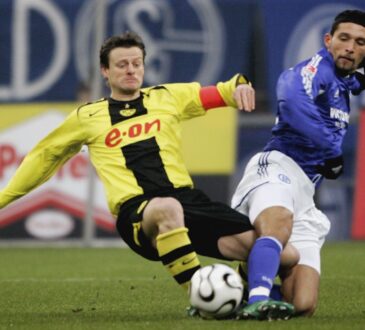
<point x="312" y="113"/>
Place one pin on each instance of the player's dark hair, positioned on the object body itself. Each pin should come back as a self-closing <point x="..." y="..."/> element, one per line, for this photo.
<point x="348" y="16"/>
<point x="126" y="40"/>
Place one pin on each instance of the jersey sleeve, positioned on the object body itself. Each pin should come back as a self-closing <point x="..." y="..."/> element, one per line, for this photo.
<point x="186" y="99"/>
<point x="45" y="159"/>
<point x="297" y="92"/>
<point x="227" y="88"/>
<point x="194" y="100"/>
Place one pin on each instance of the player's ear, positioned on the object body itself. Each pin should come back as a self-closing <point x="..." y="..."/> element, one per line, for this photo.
<point x="104" y="72"/>
<point x="327" y="40"/>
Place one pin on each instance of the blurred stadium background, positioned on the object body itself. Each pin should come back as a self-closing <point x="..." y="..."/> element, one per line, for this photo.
<point x="49" y="57"/>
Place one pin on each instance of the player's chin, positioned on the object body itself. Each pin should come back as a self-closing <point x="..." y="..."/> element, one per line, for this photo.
<point x="345" y="68"/>
<point x="346" y="64"/>
<point x="130" y="90"/>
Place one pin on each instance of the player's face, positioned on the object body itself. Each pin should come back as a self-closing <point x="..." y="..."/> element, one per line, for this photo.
<point x="125" y="73"/>
<point x="347" y="46"/>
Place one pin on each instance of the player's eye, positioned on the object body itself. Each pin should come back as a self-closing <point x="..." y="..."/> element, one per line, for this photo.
<point x="121" y="65"/>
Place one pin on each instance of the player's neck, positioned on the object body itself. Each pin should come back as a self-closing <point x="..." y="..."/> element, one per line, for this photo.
<point x="125" y="96"/>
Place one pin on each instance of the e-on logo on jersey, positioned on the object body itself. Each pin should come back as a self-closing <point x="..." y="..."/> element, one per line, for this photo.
<point x="117" y="135"/>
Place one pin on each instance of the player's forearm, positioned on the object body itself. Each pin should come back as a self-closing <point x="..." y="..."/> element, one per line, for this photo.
<point x="37" y="167"/>
<point x="6" y="197"/>
<point x="227" y="89"/>
<point x="45" y="159"/>
<point x="313" y="129"/>
<point x="33" y="171"/>
<point x="236" y="93"/>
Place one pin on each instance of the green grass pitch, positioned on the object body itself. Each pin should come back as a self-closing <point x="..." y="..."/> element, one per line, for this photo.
<point x="112" y="288"/>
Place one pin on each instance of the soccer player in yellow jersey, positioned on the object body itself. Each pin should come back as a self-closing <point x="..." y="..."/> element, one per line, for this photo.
<point x="133" y="138"/>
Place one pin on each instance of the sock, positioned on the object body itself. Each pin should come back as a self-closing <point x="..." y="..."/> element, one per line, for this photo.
<point x="263" y="264"/>
<point x="242" y="270"/>
<point x="177" y="255"/>
<point x="275" y="292"/>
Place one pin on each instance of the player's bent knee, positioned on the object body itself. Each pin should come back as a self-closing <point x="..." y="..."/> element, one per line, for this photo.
<point x="289" y="257"/>
<point x="164" y="207"/>
<point x="166" y="213"/>
<point x="275" y="221"/>
<point x="305" y="306"/>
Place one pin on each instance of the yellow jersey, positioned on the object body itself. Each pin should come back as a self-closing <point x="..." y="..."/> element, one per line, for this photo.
<point x="135" y="146"/>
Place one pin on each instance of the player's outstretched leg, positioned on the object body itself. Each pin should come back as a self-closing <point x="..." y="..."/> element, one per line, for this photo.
<point x="178" y="255"/>
<point x="242" y="270"/>
<point x="266" y="309"/>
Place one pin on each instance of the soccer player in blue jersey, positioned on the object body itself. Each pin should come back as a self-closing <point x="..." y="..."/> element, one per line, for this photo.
<point x="278" y="184"/>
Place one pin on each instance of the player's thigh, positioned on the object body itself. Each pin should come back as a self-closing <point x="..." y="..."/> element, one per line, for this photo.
<point x="301" y="288"/>
<point x="213" y="222"/>
<point x="237" y="246"/>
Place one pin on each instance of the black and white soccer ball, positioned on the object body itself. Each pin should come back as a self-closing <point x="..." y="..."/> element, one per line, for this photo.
<point x="216" y="291"/>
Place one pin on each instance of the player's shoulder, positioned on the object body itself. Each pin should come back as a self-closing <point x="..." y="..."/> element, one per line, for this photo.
<point x="169" y="87"/>
<point x="327" y="68"/>
<point x="319" y="67"/>
<point x="324" y="65"/>
<point x="89" y="107"/>
<point x="154" y="89"/>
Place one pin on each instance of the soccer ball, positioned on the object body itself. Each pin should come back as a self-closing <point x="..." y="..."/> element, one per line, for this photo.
<point x="216" y="291"/>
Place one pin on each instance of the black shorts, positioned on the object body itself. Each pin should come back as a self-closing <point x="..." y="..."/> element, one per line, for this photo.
<point x="206" y="220"/>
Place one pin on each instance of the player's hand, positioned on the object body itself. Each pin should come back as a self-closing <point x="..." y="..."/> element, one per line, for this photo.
<point x="244" y="95"/>
<point x="332" y="168"/>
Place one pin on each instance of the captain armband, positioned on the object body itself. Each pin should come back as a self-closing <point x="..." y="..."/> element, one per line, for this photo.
<point x="211" y="98"/>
